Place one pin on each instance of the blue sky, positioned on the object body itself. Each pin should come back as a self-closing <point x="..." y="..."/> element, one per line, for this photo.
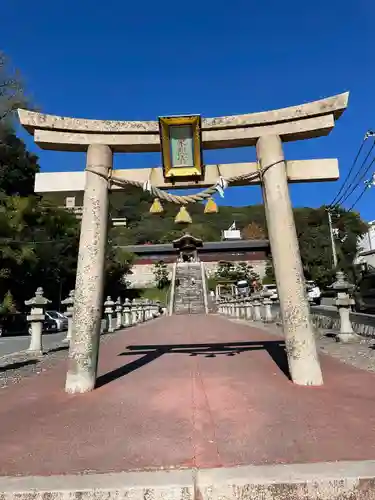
<point x="138" y="60"/>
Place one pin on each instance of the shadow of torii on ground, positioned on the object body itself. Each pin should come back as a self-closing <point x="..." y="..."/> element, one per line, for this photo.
<point x="151" y="352"/>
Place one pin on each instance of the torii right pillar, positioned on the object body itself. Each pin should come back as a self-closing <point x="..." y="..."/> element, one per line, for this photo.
<point x="301" y="349"/>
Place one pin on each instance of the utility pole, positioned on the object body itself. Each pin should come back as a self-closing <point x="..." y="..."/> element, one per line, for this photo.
<point x="333" y="245"/>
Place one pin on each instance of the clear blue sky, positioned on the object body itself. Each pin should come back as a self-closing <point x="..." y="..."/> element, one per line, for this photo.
<point x="137" y="60"/>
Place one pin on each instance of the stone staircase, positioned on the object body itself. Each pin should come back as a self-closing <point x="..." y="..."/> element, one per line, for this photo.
<point x="188" y="296"/>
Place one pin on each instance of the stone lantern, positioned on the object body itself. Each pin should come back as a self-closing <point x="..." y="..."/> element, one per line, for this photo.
<point x="126" y="309"/>
<point x="36" y="318"/>
<point x="69" y="303"/>
<point x="108" y="311"/>
<point x="118" y="313"/>
<point x="134" y="312"/>
<point x="344" y="303"/>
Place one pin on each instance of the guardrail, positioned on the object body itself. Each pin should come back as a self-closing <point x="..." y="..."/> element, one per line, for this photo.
<point x="363" y="324"/>
<point x="327" y="318"/>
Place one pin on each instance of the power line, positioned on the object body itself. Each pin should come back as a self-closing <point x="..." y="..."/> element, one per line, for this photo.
<point x="359" y="180"/>
<point x="368" y="185"/>
<point x="356" y="180"/>
<point x="366" y="136"/>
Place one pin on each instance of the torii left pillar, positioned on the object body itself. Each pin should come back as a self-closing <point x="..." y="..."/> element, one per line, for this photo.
<point x="88" y="300"/>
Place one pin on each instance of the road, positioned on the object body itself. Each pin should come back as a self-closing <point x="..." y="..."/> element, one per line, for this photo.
<point x="8" y="345"/>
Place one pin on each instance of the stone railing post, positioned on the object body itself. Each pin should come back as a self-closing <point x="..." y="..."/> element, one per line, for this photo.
<point x="267" y="306"/>
<point x="142" y="311"/>
<point x="157" y="308"/>
<point x="118" y="313"/>
<point x="108" y="311"/>
<point x="139" y="311"/>
<point x="149" y="310"/>
<point x="146" y="308"/>
<point x="36" y="318"/>
<point x="343" y="303"/>
<point x="134" y="312"/>
<point x="257" y="316"/>
<point x="220" y="306"/>
<point x="236" y="309"/>
<point x="126" y="313"/>
<point x="248" y="308"/>
<point x="69" y="303"/>
<point x="227" y="307"/>
<point x="242" y="308"/>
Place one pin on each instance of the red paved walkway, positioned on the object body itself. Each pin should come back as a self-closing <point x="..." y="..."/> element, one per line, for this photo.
<point x="185" y="405"/>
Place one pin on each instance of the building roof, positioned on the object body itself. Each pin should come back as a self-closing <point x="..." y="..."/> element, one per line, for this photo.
<point x="209" y="246"/>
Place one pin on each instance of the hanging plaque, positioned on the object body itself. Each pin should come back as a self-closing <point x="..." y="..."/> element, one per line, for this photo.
<point x="180" y="138"/>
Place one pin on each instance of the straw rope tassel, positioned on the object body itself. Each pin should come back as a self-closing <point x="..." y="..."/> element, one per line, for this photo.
<point x="183" y="216"/>
<point x="156" y="207"/>
<point x="211" y="207"/>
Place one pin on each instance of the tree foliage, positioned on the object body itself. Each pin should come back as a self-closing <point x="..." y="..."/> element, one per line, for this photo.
<point x="161" y="274"/>
<point x="311" y="223"/>
<point x="233" y="272"/>
<point x="269" y="276"/>
<point x="11" y="91"/>
<point x="39" y="241"/>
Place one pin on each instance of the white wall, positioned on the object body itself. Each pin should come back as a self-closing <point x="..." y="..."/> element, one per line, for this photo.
<point x="368" y="241"/>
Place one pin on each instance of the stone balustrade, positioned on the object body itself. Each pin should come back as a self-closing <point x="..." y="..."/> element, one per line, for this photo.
<point x="117" y="315"/>
<point x="257" y="307"/>
<point x="129" y="313"/>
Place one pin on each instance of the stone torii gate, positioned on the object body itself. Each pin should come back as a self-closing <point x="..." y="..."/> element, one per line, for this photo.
<point x="265" y="130"/>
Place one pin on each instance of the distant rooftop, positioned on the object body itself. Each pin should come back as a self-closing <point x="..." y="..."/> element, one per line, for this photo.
<point x="209" y="246"/>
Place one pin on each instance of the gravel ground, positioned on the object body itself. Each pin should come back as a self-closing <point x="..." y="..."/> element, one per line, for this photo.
<point x="16" y="366"/>
<point x="360" y="354"/>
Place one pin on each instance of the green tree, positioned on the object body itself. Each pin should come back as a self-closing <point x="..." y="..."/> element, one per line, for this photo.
<point x="161" y="274"/>
<point x="229" y="271"/>
<point x="315" y="244"/>
<point x="17" y="166"/>
<point x="11" y="92"/>
<point x="269" y="276"/>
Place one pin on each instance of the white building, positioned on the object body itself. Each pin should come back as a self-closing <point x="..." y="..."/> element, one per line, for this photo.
<point x="366" y="245"/>
<point x="232" y="233"/>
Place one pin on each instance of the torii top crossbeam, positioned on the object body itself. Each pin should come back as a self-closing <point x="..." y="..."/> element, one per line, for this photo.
<point x="305" y="121"/>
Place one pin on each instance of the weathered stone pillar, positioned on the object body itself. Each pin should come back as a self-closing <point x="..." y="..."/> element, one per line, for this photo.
<point x="299" y="334"/>
<point x="84" y="346"/>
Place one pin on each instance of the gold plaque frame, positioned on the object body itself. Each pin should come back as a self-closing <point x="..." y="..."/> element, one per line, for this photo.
<point x="170" y="171"/>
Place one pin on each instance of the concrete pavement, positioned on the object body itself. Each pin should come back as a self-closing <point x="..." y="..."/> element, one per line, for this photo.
<point x="12" y="344"/>
<point x="205" y="403"/>
<point x="186" y="391"/>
